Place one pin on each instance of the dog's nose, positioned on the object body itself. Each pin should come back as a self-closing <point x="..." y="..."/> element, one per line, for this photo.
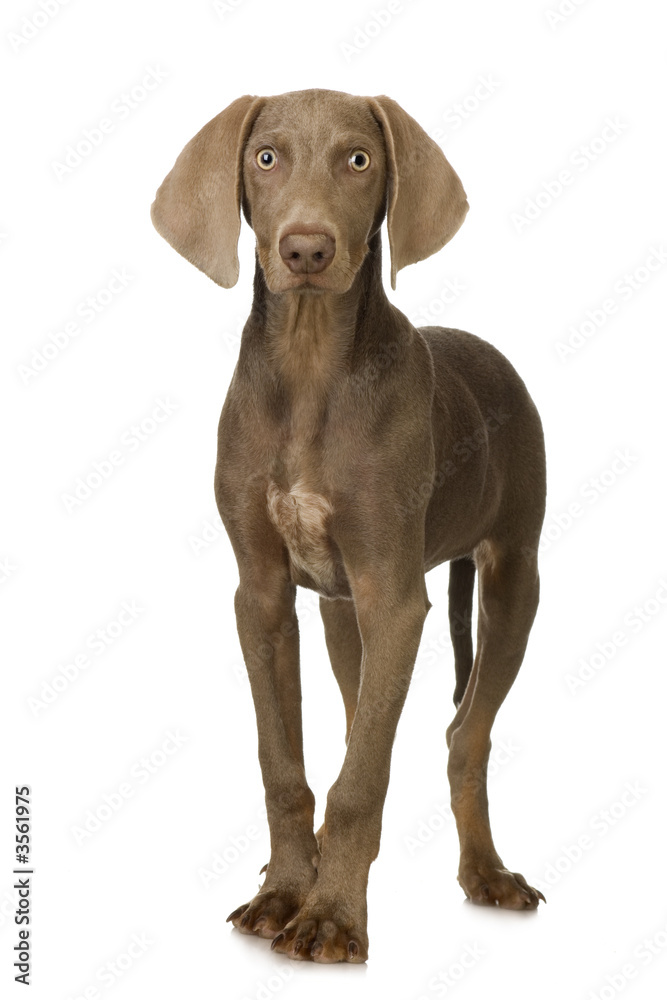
<point x="307" y="253"/>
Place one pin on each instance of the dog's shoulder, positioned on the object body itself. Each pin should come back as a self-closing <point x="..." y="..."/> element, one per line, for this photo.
<point x="457" y="353"/>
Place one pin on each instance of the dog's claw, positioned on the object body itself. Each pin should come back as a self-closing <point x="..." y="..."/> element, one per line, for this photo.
<point x="496" y="886"/>
<point x="265" y="868"/>
<point x="236" y="913"/>
<point x="322" y="939"/>
<point x="277" y="939"/>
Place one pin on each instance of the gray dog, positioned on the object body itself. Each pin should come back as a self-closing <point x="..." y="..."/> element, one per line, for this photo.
<point x="356" y="453"/>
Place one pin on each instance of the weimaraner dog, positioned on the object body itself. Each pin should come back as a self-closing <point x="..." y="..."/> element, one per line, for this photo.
<point x="355" y="453"/>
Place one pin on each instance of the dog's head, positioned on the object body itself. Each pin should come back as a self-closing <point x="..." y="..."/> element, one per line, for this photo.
<point x="315" y="172"/>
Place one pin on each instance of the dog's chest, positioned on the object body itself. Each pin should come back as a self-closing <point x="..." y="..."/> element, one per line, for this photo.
<point x="306" y="350"/>
<point x="303" y="519"/>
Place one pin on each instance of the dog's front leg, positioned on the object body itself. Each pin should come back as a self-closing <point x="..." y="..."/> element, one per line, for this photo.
<point x="268" y="632"/>
<point x="331" y="925"/>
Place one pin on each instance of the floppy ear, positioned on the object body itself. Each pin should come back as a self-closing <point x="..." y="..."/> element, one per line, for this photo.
<point x="197" y="207"/>
<point x="426" y="203"/>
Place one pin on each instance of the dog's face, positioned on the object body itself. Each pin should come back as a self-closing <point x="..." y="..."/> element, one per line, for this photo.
<point x="314" y="188"/>
<point x="315" y="171"/>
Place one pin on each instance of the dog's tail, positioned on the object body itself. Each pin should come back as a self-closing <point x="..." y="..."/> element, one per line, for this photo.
<point x="461" y="586"/>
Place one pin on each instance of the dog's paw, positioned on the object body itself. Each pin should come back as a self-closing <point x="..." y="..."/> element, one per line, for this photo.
<point x="322" y="937"/>
<point x="498" y="887"/>
<point x="266" y="914"/>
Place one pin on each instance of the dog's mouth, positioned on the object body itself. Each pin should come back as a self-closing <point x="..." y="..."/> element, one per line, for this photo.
<point x="337" y="278"/>
<point x="311" y="283"/>
<point x="330" y="282"/>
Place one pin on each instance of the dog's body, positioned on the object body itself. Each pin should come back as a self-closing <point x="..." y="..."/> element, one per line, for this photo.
<point x="356" y="453"/>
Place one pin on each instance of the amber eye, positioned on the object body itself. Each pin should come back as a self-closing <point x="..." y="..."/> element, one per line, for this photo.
<point x="359" y="160"/>
<point x="266" y="159"/>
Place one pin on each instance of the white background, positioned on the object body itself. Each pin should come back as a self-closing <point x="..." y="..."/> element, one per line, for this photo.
<point x="571" y="754"/>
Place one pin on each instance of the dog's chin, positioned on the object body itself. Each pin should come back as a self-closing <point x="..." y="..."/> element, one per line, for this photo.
<point x="308" y="284"/>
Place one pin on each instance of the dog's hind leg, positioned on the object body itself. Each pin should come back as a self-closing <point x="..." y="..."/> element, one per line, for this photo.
<point x="461" y="586"/>
<point x="508" y="598"/>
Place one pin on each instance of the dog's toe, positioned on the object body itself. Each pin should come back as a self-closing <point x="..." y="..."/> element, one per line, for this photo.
<point x="266" y="914"/>
<point x="319" y="939"/>
<point x="494" y="886"/>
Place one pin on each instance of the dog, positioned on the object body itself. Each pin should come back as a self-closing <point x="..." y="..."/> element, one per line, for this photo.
<point x="355" y="453"/>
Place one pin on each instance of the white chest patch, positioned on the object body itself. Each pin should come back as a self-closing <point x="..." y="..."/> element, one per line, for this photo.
<point x="302" y="519"/>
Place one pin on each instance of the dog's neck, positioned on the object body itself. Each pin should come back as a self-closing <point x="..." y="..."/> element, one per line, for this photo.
<point x="310" y="338"/>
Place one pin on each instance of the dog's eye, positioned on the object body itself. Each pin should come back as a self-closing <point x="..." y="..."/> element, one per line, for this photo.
<point x="359" y="160"/>
<point x="266" y="159"/>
